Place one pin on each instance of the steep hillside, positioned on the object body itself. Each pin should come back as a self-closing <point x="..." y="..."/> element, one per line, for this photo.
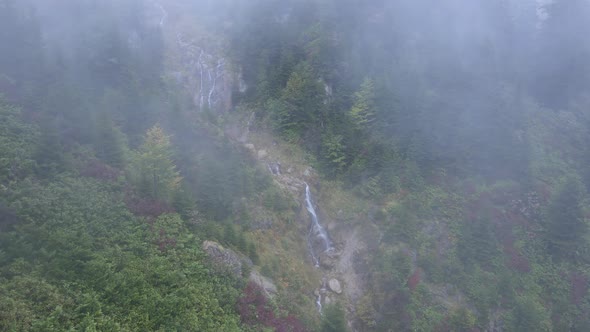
<point x="297" y="165"/>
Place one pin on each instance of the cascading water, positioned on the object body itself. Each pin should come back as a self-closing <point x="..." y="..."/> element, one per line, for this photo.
<point x="318" y="300"/>
<point x="318" y="237"/>
<point x="318" y="242"/>
<point x="164" y="14"/>
<point x="207" y="70"/>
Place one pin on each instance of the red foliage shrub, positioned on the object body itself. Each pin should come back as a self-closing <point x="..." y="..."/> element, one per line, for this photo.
<point x="517" y="261"/>
<point x="288" y="324"/>
<point x="514" y="258"/>
<point x="414" y="280"/>
<point x="254" y="309"/>
<point x="579" y="288"/>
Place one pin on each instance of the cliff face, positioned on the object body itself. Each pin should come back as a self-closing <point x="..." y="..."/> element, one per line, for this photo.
<point x="195" y="57"/>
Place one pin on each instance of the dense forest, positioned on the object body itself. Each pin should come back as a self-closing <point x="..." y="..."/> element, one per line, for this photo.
<point x="156" y="160"/>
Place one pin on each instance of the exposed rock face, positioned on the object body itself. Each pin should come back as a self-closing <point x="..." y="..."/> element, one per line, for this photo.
<point x="328" y="259"/>
<point x="275" y="168"/>
<point x="204" y="73"/>
<point x="335" y="286"/>
<point x="225" y="258"/>
<point x="270" y="289"/>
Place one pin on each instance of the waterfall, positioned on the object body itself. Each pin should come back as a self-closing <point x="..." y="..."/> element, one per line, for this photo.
<point x="207" y="70"/>
<point x="317" y="233"/>
<point x="164" y="14"/>
<point x="318" y="301"/>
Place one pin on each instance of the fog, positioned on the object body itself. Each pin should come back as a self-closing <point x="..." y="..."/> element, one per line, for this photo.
<point x="421" y="163"/>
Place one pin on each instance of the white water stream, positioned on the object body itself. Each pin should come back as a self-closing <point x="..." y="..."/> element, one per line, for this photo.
<point x="164" y="14"/>
<point x="318" y="243"/>
<point x="206" y="68"/>
<point x="318" y="239"/>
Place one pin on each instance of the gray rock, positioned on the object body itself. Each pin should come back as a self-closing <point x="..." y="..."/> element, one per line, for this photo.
<point x="329" y="259"/>
<point x="335" y="286"/>
<point x="224" y="258"/>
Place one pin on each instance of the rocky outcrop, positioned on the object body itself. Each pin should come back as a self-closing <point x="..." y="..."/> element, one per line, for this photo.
<point x="226" y="259"/>
<point x="329" y="259"/>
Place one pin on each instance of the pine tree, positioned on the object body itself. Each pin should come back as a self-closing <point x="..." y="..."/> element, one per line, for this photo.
<point x="301" y="103"/>
<point x="49" y="155"/>
<point x="362" y="112"/>
<point x="333" y="153"/>
<point x="478" y="244"/>
<point x="109" y="141"/>
<point x="566" y="226"/>
<point x="155" y="172"/>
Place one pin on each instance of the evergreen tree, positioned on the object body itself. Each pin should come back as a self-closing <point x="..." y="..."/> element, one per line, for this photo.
<point x="566" y="226"/>
<point x="333" y="153"/>
<point x="362" y="112"/>
<point x="155" y="172"/>
<point x="302" y="103"/>
<point x="17" y="144"/>
<point x="109" y="142"/>
<point x="529" y="315"/>
<point x="50" y="153"/>
<point x="477" y="243"/>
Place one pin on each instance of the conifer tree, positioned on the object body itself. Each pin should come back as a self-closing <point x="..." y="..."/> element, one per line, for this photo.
<point x="302" y="102"/>
<point x="109" y="142"/>
<point x="155" y="172"/>
<point x="362" y="112"/>
<point x="566" y="226"/>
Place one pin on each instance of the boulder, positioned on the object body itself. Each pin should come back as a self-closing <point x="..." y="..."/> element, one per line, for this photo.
<point x="335" y="286"/>
<point x="225" y="259"/>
